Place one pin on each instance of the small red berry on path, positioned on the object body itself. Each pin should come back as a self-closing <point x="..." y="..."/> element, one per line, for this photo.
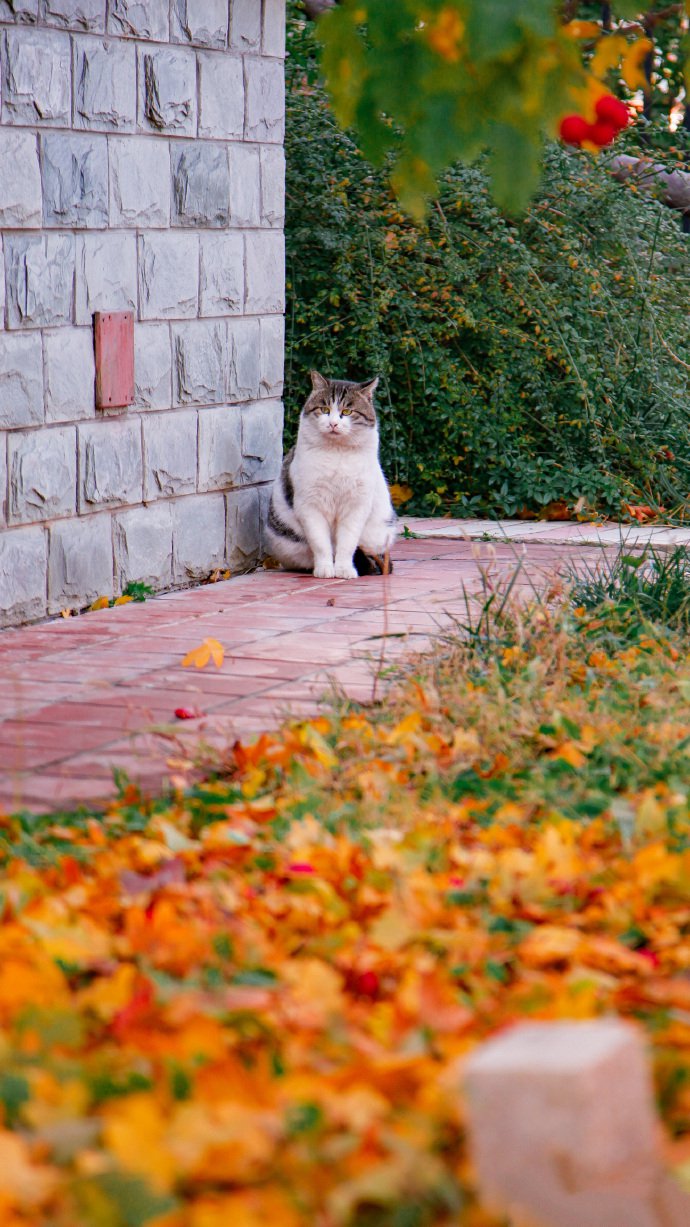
<point x="186" y="713"/>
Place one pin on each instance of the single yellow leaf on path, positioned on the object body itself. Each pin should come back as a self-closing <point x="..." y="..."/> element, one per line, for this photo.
<point x="101" y="603"/>
<point x="123" y="600"/>
<point x="210" y="649"/>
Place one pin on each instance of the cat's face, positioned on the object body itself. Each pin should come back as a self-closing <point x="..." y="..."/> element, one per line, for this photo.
<point x="339" y="411"/>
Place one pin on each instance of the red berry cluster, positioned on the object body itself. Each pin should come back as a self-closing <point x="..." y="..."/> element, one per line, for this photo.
<point x="612" y="117"/>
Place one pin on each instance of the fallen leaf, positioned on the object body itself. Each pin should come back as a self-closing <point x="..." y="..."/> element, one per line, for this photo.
<point x="210" y="649"/>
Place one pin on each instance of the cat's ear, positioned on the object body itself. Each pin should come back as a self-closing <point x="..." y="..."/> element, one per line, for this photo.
<point x="368" y="389"/>
<point x="318" y="382"/>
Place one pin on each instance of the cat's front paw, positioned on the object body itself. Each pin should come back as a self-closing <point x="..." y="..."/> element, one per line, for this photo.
<point x="324" y="570"/>
<point x="345" y="570"/>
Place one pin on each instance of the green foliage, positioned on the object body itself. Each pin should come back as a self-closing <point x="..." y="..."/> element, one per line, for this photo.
<point x="650" y="586"/>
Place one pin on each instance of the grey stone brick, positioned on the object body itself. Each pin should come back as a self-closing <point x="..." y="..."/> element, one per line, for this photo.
<point x="140" y="19"/>
<point x="143" y="546"/>
<point x="244" y="346"/>
<point x="220" y="448"/>
<point x="39" y="272"/>
<point x="273" y="42"/>
<point x="43" y="474"/>
<point x="21" y="379"/>
<point x="200" y="363"/>
<point x="243" y="526"/>
<point x="76" y="14"/>
<point x="265" y="272"/>
<point x="272" y="185"/>
<point x="272" y="355"/>
<point x="36" y="79"/>
<point x="75" y="180"/>
<point x="2" y="287"/>
<point x="169" y="454"/>
<point x="3" y="478"/>
<point x="198" y="536"/>
<point x="245" y="185"/>
<point x="245" y="24"/>
<point x="222" y="274"/>
<point x="168" y="275"/>
<point x="106" y="274"/>
<point x="167" y="90"/>
<point x="264" y="504"/>
<point x="221" y="96"/>
<point x="265" y="100"/>
<point x="110" y="463"/>
<point x="262" y="441"/>
<point x="204" y="22"/>
<point x="80" y="562"/>
<point x="68" y="361"/>
<point x="200" y="185"/>
<point x="23" y="563"/>
<point x="20" y="192"/>
<point x="105" y="84"/>
<point x="152" y="366"/>
<point x="22" y="11"/>
<point x="139" y="182"/>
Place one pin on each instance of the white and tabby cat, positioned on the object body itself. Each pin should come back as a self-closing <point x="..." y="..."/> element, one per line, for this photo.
<point x="330" y="510"/>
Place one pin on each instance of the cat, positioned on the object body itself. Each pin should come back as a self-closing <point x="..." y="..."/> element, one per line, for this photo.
<point x="330" y="509"/>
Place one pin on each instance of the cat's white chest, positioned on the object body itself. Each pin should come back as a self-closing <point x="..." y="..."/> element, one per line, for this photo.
<point x="333" y="479"/>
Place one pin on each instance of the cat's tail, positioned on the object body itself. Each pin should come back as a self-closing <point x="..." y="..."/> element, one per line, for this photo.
<point x="372" y="564"/>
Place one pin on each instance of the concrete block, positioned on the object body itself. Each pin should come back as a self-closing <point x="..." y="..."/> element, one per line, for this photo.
<point x="203" y="22"/>
<point x="272" y="185"/>
<point x="24" y="12"/>
<point x="245" y="185"/>
<point x="143" y="546"/>
<point x="23" y="566"/>
<point x="265" y="250"/>
<point x="221" y="290"/>
<point x="80" y="562"/>
<point x="152" y="366"/>
<point x="139" y="182"/>
<point x="272" y="355"/>
<point x="167" y="90"/>
<point x="76" y="14"/>
<point x="39" y="272"/>
<point x="169" y="454"/>
<point x="262" y="441"/>
<point x="110" y="463"/>
<point x="36" y="78"/>
<point x="68" y="361"/>
<point x="20" y="192"/>
<point x="245" y="25"/>
<point x="243" y="529"/>
<point x="221" y="96"/>
<point x="21" y="379"/>
<point x="198" y="536"/>
<point x="106" y="274"/>
<point x="3" y="479"/>
<point x="105" y="84"/>
<point x="42" y="474"/>
<point x="168" y="275"/>
<point x="273" y="42"/>
<point x="75" y="180"/>
<point x="244" y="359"/>
<point x="200" y="363"/>
<point x="264" y="85"/>
<point x="140" y="19"/>
<point x="200" y="185"/>
<point x="220" y="448"/>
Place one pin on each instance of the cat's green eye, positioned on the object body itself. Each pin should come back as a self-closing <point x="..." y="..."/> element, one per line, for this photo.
<point x="325" y="409"/>
<point x="346" y="412"/>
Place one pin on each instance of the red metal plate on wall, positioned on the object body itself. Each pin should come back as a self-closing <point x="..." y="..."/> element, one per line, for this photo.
<point x="114" y="344"/>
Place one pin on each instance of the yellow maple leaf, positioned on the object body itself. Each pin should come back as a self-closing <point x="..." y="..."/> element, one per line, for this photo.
<point x="634" y="73"/>
<point x="607" y="54"/>
<point x="582" y="29"/>
<point x="400" y="494"/>
<point x="210" y="649"/>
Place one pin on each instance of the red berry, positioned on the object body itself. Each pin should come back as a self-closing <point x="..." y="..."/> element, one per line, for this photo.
<point x="612" y="111"/>
<point x="574" y="129"/>
<point x="602" y="133"/>
<point x="185" y="713"/>
<point x="366" y="984"/>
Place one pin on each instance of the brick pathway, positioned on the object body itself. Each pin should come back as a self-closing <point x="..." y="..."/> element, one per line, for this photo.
<point x="80" y="697"/>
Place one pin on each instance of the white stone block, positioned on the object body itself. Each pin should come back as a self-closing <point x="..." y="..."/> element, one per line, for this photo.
<point x="143" y="546"/>
<point x="262" y="441"/>
<point x="167" y="90"/>
<point x="245" y="25"/>
<point x="220" y="448"/>
<point x="105" y="84"/>
<point x="202" y="22"/>
<point x="106" y="274"/>
<point x="222" y="273"/>
<point x="139" y="182"/>
<point x="140" y="19"/>
<point x="152" y="366"/>
<point x="272" y="355"/>
<point x="244" y="359"/>
<point x="21" y="379"/>
<point x="221" y="96"/>
<point x="245" y="185"/>
<point x="198" y="536"/>
<point x="37" y="77"/>
<point x="75" y="179"/>
<point x="265" y="100"/>
<point x="76" y="14"/>
<point x="3" y="478"/>
<point x="273" y="42"/>
<point x="243" y="523"/>
<point x="170" y="454"/>
<point x="200" y="184"/>
<point x="24" y="12"/>
<point x="20" y="192"/>
<point x="42" y="474"/>
<point x="265" y="253"/>
<point x="39" y="271"/>
<point x="272" y="185"/>
<point x="69" y="371"/>
<point x="168" y="275"/>
<point x="80" y="562"/>
<point x="23" y="566"/>
<point x="110" y="463"/>
<point x="200" y="363"/>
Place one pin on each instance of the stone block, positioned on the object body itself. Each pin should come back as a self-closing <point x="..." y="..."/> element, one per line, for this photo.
<point x="140" y="19"/>
<point x="139" y="182"/>
<point x="245" y="185"/>
<point x="245" y="25"/>
<point x="80" y="562"/>
<point x="265" y="101"/>
<point x="106" y="274"/>
<point x="105" y="84"/>
<point x="21" y="379"/>
<point x="273" y="42"/>
<point x="23" y="566"/>
<point x="3" y="479"/>
<point x="42" y="474"/>
<point x="220" y="448"/>
<point x="244" y="358"/>
<point x="265" y="253"/>
<point x="24" y="12"/>
<point x="221" y="290"/>
<point x="75" y="180"/>
<point x="272" y="355"/>
<point x="39" y="273"/>
<point x="243" y="529"/>
<point x="200" y="363"/>
<point x="169" y="454"/>
<point x="76" y="14"/>
<point x="143" y="546"/>
<point x="110" y="463"/>
<point x="262" y="441"/>
<point x="221" y="96"/>
<point x="167" y="90"/>
<point x="200" y="185"/>
<point x="203" y="22"/>
<point x="20" y="192"/>
<point x="152" y="366"/>
<point x="272" y="185"/>
<point x="168" y="275"/>
<point x="68" y="361"/>
<point x="198" y="536"/>
<point x="36" y="78"/>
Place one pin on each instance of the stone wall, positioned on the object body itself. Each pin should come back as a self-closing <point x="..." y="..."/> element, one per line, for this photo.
<point x="141" y="168"/>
